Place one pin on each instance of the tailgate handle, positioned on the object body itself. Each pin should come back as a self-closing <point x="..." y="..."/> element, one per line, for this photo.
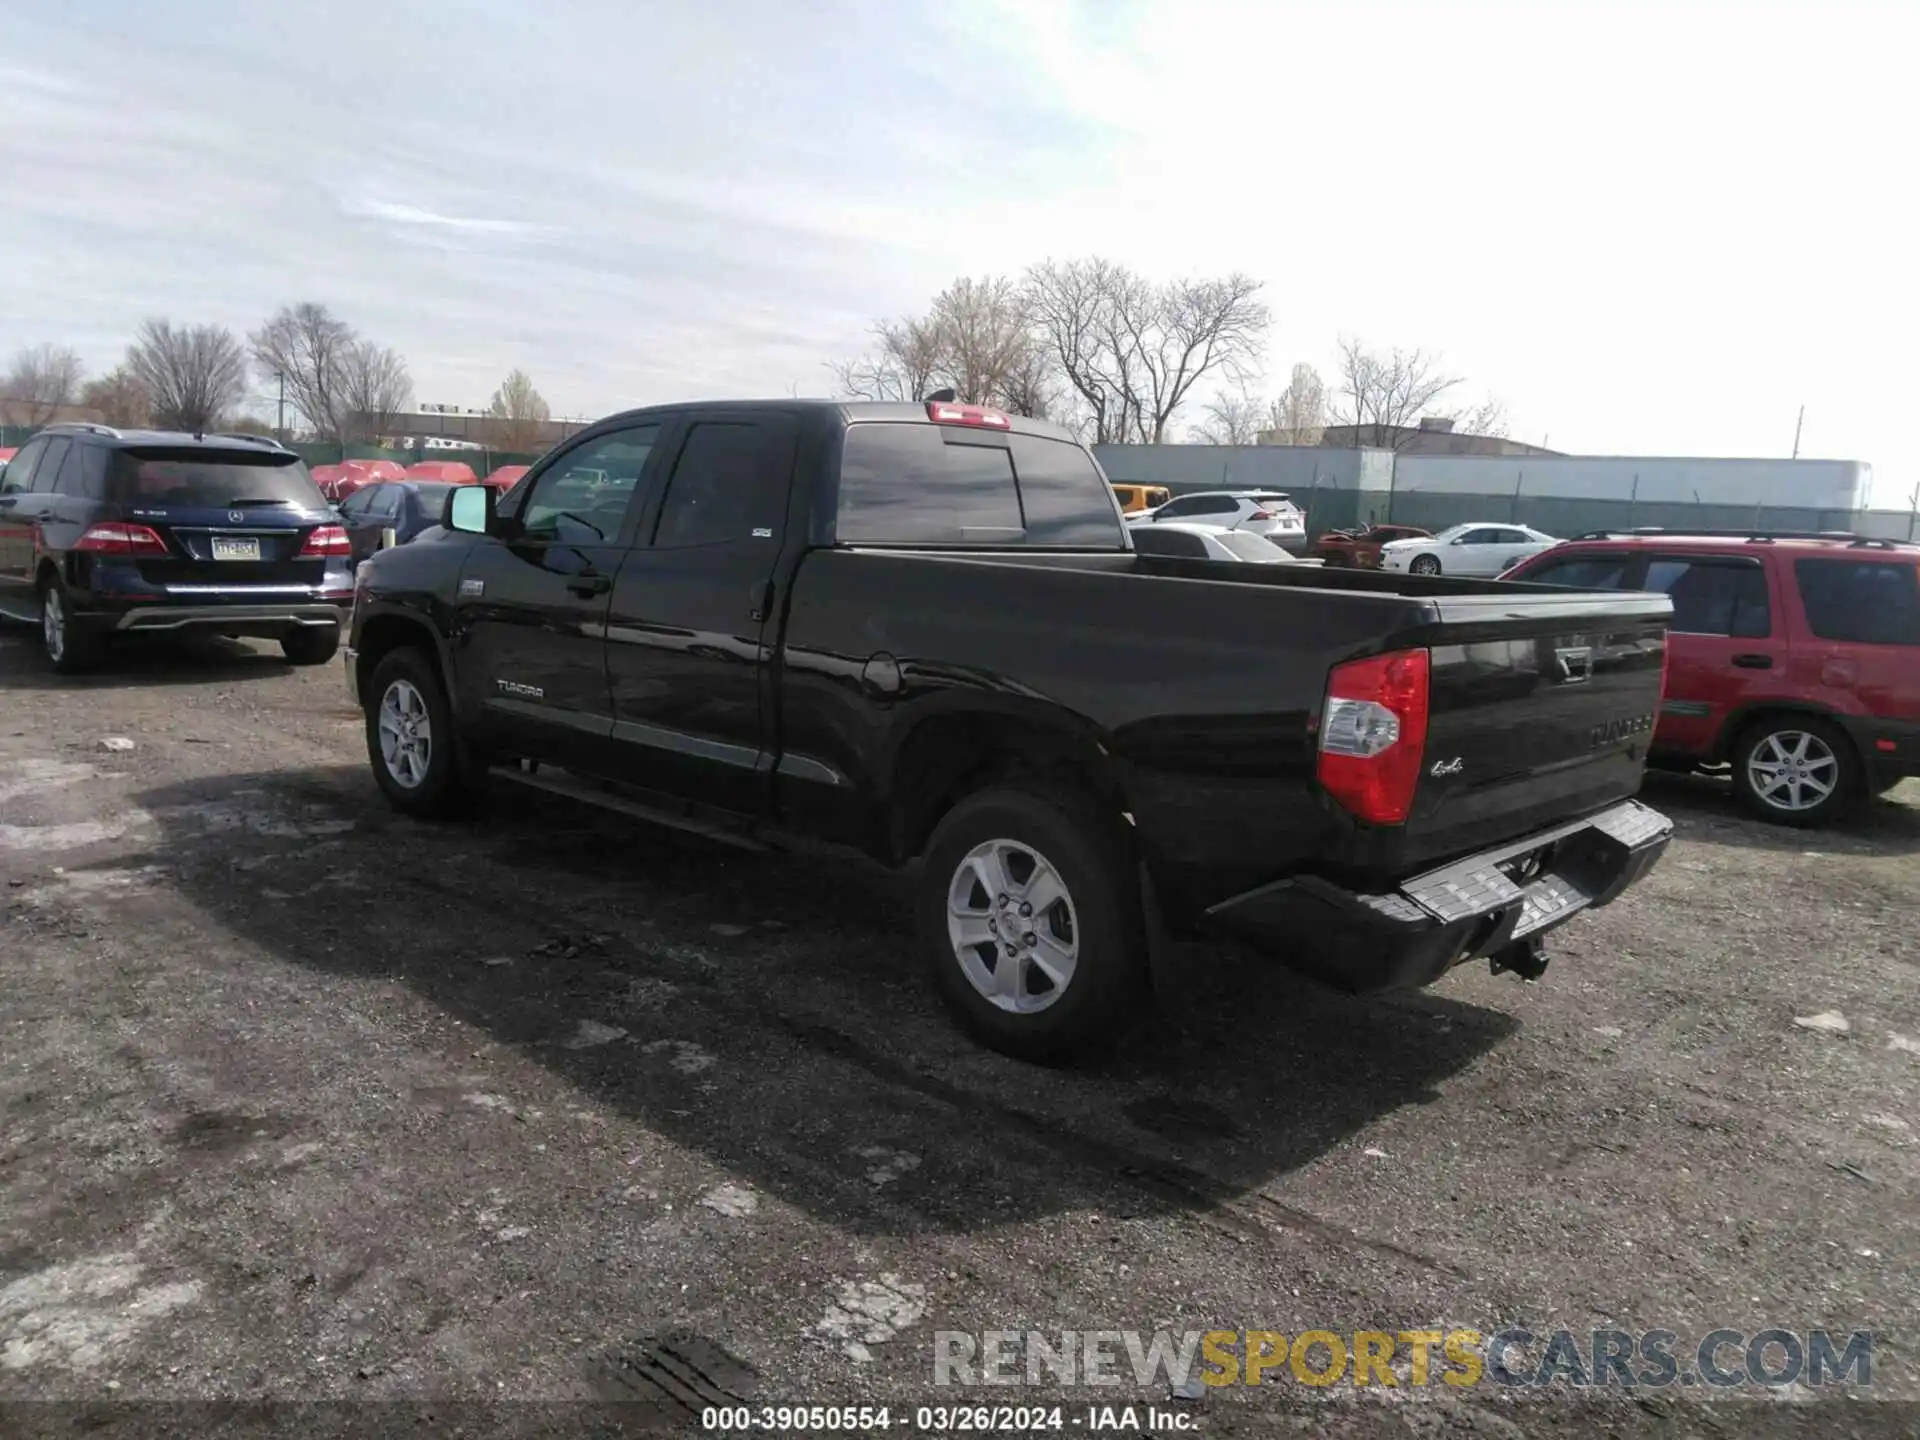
<point x="589" y="585"/>
<point x="1754" y="662"/>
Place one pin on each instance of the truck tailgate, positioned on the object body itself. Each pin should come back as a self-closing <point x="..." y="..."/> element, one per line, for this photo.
<point x="1540" y="708"/>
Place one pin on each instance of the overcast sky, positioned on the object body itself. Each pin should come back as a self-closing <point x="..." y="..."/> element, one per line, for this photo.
<point x="1649" y="229"/>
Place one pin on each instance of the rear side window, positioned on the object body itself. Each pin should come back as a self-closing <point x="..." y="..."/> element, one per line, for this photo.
<point x="729" y="484"/>
<point x="168" y="475"/>
<point x="1150" y="541"/>
<point x="48" y="470"/>
<point x="18" y="476"/>
<point x="1713" y="597"/>
<point x="907" y="484"/>
<point x="1582" y="572"/>
<point x="1250" y="547"/>
<point x="1868" y="602"/>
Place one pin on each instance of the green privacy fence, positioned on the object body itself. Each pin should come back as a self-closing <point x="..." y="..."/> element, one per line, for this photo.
<point x="1566" y="516"/>
<point x="483" y="462"/>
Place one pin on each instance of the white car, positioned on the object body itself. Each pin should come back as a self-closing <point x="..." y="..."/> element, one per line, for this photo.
<point x="1211" y="542"/>
<point x="1466" y="550"/>
<point x="1259" y="512"/>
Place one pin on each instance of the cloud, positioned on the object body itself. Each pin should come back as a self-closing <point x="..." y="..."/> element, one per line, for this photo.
<point x="1648" y="228"/>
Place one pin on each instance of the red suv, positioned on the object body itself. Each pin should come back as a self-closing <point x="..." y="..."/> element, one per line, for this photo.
<point x="1793" y="657"/>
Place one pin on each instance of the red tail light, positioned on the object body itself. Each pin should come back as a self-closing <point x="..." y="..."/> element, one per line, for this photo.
<point x="113" y="538"/>
<point x="1261" y="515"/>
<point x="326" y="540"/>
<point x="1374" y="735"/>
<point x="1666" y="662"/>
<point x="945" y="412"/>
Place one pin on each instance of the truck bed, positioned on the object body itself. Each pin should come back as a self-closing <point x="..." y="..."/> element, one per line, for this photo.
<point x="1204" y="683"/>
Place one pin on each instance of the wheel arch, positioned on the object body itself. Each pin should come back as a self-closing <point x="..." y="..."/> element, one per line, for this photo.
<point x="386" y="631"/>
<point x="950" y="750"/>
<point x="1743" y="718"/>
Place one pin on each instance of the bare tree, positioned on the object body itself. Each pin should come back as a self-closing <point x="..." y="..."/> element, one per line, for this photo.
<point x="119" y="397"/>
<point x="1134" y="350"/>
<point x="1299" y="416"/>
<point x="909" y="355"/>
<point x="44" y="380"/>
<point x="975" y="339"/>
<point x="1489" y="417"/>
<point x="374" y="388"/>
<point x="193" y="373"/>
<point x="1391" y="389"/>
<point x="306" y="345"/>
<point x="1070" y="304"/>
<point x="1232" y="418"/>
<point x="518" y="414"/>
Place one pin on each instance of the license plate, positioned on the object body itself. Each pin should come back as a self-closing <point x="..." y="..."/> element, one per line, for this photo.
<point x="231" y="549"/>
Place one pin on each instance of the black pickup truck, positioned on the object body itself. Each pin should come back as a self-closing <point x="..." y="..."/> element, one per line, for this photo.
<point x="920" y="631"/>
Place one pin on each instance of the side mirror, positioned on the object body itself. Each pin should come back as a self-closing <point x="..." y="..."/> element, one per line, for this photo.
<point x="1459" y="540"/>
<point x="470" y="508"/>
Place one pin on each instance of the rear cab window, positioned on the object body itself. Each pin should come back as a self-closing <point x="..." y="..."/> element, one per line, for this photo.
<point x="1868" y="602"/>
<point x="198" y="477"/>
<point x="907" y="483"/>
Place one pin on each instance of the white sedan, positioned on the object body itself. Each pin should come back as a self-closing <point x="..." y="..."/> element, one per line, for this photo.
<point x="1210" y="542"/>
<point x="1466" y="550"/>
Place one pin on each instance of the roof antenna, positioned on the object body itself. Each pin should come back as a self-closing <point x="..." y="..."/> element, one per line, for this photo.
<point x="943" y="397"/>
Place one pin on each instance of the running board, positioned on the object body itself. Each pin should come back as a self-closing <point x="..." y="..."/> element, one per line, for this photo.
<point x="571" y="787"/>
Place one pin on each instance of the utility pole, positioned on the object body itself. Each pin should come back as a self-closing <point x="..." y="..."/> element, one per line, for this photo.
<point x="281" y="427"/>
<point x="1796" y="431"/>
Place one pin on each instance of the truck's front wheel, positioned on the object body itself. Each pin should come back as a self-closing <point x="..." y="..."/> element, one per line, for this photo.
<point x="410" y="738"/>
<point x="1031" y="922"/>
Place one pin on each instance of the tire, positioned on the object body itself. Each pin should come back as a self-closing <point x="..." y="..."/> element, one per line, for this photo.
<point x="1096" y="924"/>
<point x="311" y="645"/>
<point x="1812" y="752"/>
<point x="434" y="779"/>
<point x="1425" y="565"/>
<point x="69" y="650"/>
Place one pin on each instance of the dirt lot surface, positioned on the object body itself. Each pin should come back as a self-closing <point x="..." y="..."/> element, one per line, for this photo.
<point x="306" y="1101"/>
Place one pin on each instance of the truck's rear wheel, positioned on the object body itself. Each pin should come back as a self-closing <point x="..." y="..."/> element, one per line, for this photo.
<point x="1031" y="922"/>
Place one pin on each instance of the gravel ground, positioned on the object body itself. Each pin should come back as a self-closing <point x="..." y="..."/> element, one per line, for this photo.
<point x="304" y="1101"/>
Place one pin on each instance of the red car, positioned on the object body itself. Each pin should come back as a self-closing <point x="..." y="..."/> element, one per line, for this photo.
<point x="1360" y="549"/>
<point x="504" y="477"/>
<point x="1794" y="658"/>
<point x="449" y="472"/>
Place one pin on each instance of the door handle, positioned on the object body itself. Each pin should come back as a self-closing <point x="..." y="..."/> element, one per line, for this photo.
<point x="1754" y="662"/>
<point x="7" y="502"/>
<point x="586" y="586"/>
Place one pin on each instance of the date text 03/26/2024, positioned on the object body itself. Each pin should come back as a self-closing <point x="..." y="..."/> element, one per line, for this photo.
<point x="948" y="1419"/>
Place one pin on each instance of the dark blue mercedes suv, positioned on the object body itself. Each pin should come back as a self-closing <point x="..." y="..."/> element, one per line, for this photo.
<point x="107" y="533"/>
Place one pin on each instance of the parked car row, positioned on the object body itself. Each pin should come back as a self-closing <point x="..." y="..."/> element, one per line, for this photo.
<point x="1793" y="660"/>
<point x="337" y="482"/>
